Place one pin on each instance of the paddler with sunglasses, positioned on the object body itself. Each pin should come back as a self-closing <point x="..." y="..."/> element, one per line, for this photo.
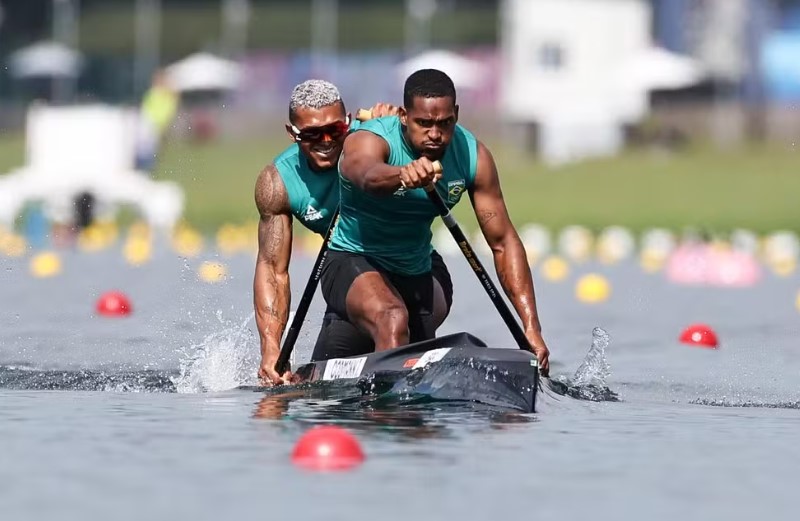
<point x="303" y="182"/>
<point x="378" y="272"/>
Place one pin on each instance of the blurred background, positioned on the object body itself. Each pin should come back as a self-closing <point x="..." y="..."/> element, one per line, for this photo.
<point x="674" y="115"/>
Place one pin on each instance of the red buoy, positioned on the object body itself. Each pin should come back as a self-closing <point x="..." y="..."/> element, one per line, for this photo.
<point x="114" y="304"/>
<point x="700" y="335"/>
<point x="327" y="448"/>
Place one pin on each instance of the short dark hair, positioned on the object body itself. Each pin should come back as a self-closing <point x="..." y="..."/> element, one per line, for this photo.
<point x="428" y="83"/>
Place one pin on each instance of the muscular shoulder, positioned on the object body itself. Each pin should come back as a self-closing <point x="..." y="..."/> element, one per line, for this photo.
<point x="484" y="154"/>
<point x="270" y="194"/>
<point x="486" y="169"/>
<point x="362" y="143"/>
<point x="381" y="126"/>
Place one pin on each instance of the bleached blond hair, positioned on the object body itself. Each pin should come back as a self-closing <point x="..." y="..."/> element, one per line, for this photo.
<point x="313" y="94"/>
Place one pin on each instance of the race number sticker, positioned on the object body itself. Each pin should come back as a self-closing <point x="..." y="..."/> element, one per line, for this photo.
<point x="431" y="356"/>
<point x="338" y="368"/>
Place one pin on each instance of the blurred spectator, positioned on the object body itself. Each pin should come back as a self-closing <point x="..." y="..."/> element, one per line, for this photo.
<point x="158" y="109"/>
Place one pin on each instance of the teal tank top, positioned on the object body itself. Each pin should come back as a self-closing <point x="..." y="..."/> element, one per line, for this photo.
<point x="394" y="231"/>
<point x="313" y="196"/>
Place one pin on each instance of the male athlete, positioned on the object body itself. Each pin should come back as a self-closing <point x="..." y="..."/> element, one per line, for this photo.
<point x="378" y="272"/>
<point x="303" y="182"/>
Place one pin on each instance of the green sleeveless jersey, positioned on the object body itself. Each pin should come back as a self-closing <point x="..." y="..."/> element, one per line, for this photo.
<point x="394" y="231"/>
<point x="313" y="196"/>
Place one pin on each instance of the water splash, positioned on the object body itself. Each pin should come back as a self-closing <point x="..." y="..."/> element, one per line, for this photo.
<point x="595" y="369"/>
<point x="224" y="360"/>
<point x="589" y="381"/>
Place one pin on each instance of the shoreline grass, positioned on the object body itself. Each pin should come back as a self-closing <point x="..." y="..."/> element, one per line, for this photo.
<point x="752" y="187"/>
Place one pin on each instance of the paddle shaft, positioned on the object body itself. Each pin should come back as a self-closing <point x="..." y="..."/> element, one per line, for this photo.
<point x="305" y="301"/>
<point x="475" y="264"/>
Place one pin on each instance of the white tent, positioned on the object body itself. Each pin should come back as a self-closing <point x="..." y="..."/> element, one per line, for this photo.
<point x="463" y="71"/>
<point x="85" y="148"/>
<point x="657" y="68"/>
<point x="203" y="71"/>
<point x="46" y="59"/>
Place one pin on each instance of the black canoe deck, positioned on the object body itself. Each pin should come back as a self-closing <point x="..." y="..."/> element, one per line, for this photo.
<point x="459" y="366"/>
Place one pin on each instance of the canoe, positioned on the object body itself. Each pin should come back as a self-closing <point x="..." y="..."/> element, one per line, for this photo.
<point x="458" y="366"/>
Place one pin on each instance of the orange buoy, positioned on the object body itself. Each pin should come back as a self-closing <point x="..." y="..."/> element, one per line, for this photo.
<point x="114" y="304"/>
<point x="700" y="335"/>
<point x="327" y="448"/>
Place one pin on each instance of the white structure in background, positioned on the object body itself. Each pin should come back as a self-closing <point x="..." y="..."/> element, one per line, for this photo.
<point x="581" y="70"/>
<point x="656" y="68"/>
<point x="46" y="59"/>
<point x="77" y="149"/>
<point x="537" y="241"/>
<point x="614" y="244"/>
<point x="204" y="72"/>
<point x="659" y="241"/>
<point x="576" y="242"/>
<point x="464" y="72"/>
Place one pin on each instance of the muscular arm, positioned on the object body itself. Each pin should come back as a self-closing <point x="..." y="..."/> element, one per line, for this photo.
<point x="363" y="163"/>
<point x="510" y="259"/>
<point x="271" y="292"/>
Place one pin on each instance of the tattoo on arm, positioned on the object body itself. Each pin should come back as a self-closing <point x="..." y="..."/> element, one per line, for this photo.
<point x="485" y="217"/>
<point x="271" y="292"/>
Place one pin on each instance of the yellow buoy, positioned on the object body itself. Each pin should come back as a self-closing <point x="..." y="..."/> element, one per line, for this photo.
<point x="652" y="260"/>
<point x="592" y="288"/>
<point x="250" y="231"/>
<point x="137" y="250"/>
<point x="554" y="268"/>
<point x="784" y="267"/>
<point x="187" y="242"/>
<point x="139" y="229"/>
<point x="12" y="244"/>
<point x="212" y="272"/>
<point x="95" y="238"/>
<point x="231" y="239"/>
<point x="45" y="264"/>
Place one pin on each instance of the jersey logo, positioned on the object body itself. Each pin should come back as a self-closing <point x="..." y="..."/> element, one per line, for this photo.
<point x="312" y="214"/>
<point x="454" y="190"/>
<point x="400" y="192"/>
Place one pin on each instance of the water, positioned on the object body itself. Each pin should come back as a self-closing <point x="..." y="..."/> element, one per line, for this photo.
<point x="140" y="418"/>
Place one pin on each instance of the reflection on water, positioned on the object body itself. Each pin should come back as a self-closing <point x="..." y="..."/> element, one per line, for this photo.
<point x="407" y="419"/>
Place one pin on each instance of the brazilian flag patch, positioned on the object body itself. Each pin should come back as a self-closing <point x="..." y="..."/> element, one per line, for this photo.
<point x="454" y="190"/>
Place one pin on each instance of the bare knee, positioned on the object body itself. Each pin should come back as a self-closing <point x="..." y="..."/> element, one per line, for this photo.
<point x="391" y="316"/>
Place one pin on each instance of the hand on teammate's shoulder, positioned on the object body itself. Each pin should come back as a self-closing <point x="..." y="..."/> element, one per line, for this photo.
<point x="381" y="110"/>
